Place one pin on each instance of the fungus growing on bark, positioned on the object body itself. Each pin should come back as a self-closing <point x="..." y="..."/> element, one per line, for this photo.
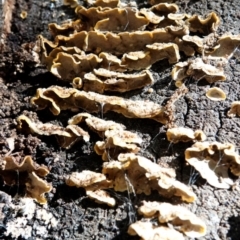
<point x="148" y="231"/>
<point x="98" y="125"/>
<point x="30" y="174"/>
<point x="71" y="3"/>
<point x="179" y="217"/>
<point x="114" y="43"/>
<point x="216" y="94"/>
<point x="70" y="63"/>
<point x="58" y="98"/>
<point x="101" y="196"/>
<point x="145" y="176"/>
<point x="204" y="26"/>
<point x="67" y="67"/>
<point x="134" y="174"/>
<point x="101" y="80"/>
<point x="234" y="110"/>
<point x="213" y="160"/>
<point x="65" y="136"/>
<point x="117" y="141"/>
<point x="153" y="53"/>
<point x="94" y="183"/>
<point x="198" y="70"/>
<point x="113" y="19"/>
<point x="226" y="46"/>
<point x="104" y="3"/>
<point x="23" y="14"/>
<point x="181" y="134"/>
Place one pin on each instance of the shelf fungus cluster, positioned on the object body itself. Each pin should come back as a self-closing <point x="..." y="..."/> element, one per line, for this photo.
<point x="181" y="134"/>
<point x="183" y="222"/>
<point x="58" y="98"/>
<point x="109" y="47"/>
<point x="115" y="138"/>
<point x="133" y="173"/>
<point x="65" y="136"/>
<point x="198" y="70"/>
<point x="120" y="38"/>
<point x="213" y="160"/>
<point x="17" y="171"/>
<point x="123" y="169"/>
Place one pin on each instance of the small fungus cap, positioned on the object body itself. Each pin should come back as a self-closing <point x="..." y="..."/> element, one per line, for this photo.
<point x="216" y="94"/>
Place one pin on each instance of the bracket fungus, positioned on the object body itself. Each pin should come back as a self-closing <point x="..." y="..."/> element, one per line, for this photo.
<point x="65" y="136"/>
<point x="101" y="196"/>
<point x="199" y="24"/>
<point x="190" y="44"/>
<point x="181" y="134"/>
<point x="131" y="173"/>
<point x="153" y="53"/>
<point x="101" y="50"/>
<point x="104" y="3"/>
<point x="114" y="43"/>
<point x="87" y="179"/>
<point x="71" y="3"/>
<point x="128" y="39"/>
<point x="216" y="94"/>
<point x="234" y="110"/>
<point x="67" y="65"/>
<point x="145" y="176"/>
<point x="23" y="14"/>
<point x="148" y="231"/>
<point x="226" y="46"/>
<point x="112" y="19"/>
<point x="198" y="70"/>
<point x="101" y="80"/>
<point x="30" y="174"/>
<point x="179" y="217"/>
<point x="58" y="98"/>
<point x="213" y="160"/>
<point x="98" y="125"/>
<point x="117" y="141"/>
<point x="116" y="138"/>
<point x="94" y="183"/>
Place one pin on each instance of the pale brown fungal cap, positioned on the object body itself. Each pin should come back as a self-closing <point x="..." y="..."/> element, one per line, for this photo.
<point x="181" y="134"/>
<point x="187" y="222"/>
<point x="212" y="161"/>
<point x="29" y="174"/>
<point x="234" y="110"/>
<point x="216" y="94"/>
<point x="58" y="98"/>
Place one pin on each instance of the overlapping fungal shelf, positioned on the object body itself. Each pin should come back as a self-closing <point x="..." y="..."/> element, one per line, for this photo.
<point x="110" y="47"/>
<point x="18" y="170"/>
